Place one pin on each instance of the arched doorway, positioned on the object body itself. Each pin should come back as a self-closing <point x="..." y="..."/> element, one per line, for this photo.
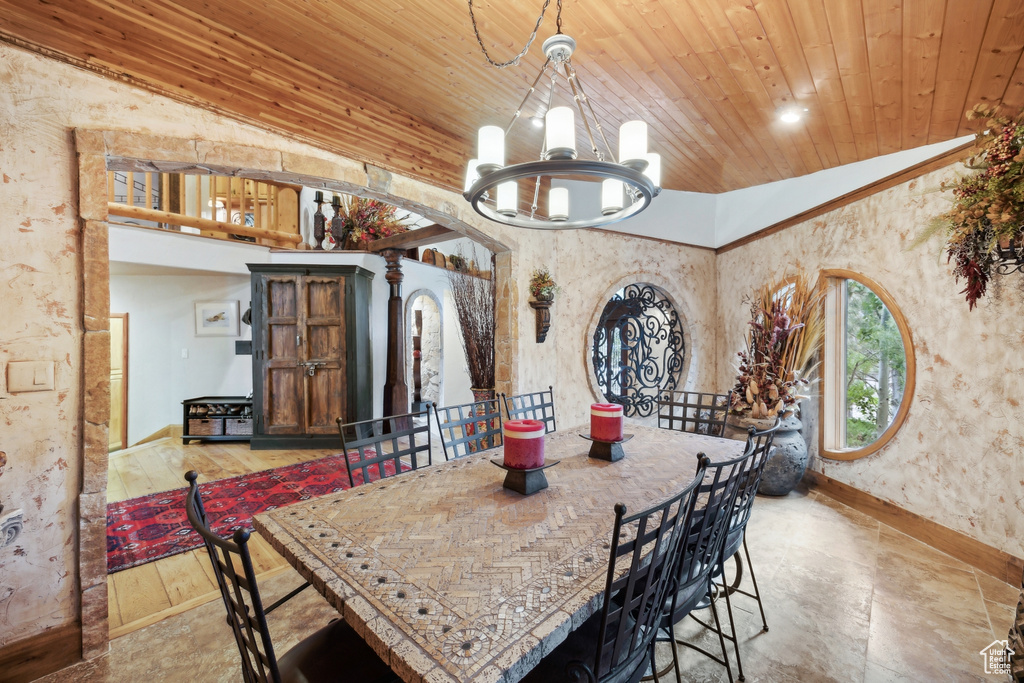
<point x="425" y="356"/>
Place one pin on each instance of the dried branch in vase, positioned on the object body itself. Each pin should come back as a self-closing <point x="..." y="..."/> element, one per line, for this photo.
<point x="474" y="305"/>
<point x="786" y="330"/>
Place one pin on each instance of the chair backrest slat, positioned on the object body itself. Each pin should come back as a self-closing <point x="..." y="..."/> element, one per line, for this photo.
<point x="239" y="592"/>
<point x="694" y="412"/>
<point x="644" y="552"/>
<point x="708" y="526"/>
<point x="540" y="405"/>
<point x="759" y="447"/>
<point x="386" y="440"/>
<point x="469" y="427"/>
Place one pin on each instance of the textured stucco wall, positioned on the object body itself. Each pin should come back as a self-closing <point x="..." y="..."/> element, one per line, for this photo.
<point x="956" y="459"/>
<point x="39" y="307"/>
<point x="590" y="266"/>
<point x="42" y="104"/>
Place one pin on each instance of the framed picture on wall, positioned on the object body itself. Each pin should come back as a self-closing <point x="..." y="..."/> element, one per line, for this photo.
<point x="216" y="318"/>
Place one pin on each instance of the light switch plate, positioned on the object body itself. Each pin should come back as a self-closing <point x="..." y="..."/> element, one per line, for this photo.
<point x="30" y="375"/>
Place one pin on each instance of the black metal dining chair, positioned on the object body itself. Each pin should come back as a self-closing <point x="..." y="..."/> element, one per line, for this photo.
<point x="700" y="559"/>
<point x="335" y="653"/>
<point x="616" y="644"/>
<point x="381" y="444"/>
<point x="694" y="411"/>
<point x="759" y="448"/>
<point x="539" y="405"/>
<point x="469" y="427"/>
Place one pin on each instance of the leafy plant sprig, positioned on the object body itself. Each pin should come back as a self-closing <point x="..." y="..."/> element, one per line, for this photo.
<point x="369" y="219"/>
<point x="542" y="284"/>
<point x="988" y="212"/>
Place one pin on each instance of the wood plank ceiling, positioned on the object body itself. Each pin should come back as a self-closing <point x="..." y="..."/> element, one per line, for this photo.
<point x="402" y="83"/>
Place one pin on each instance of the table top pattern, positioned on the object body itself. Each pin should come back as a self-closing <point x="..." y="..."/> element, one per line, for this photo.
<point x="451" y="577"/>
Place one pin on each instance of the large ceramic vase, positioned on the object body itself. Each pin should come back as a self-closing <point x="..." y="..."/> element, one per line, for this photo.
<point x="482" y="394"/>
<point x="785" y="468"/>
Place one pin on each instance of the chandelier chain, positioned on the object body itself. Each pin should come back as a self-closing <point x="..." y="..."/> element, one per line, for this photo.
<point x="533" y="36"/>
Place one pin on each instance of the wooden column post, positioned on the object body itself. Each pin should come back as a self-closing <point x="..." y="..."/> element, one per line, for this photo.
<point x="396" y="391"/>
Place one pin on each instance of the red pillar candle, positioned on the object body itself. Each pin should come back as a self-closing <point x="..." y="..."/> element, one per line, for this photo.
<point x="524" y="443"/>
<point x="606" y="421"/>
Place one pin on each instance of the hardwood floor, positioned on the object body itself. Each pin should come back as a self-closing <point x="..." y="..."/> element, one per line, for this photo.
<point x="143" y="595"/>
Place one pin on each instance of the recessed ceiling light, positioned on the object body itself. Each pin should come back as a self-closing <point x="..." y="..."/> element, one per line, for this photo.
<point x="791" y="114"/>
<point x="537" y="121"/>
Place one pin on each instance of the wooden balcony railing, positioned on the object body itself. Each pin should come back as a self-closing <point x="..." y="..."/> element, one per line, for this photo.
<point x="221" y="207"/>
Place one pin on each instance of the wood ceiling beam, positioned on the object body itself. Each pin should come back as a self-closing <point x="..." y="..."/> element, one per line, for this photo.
<point x="420" y="237"/>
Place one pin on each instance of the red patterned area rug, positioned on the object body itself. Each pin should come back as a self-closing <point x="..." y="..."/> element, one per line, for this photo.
<point x="147" y="528"/>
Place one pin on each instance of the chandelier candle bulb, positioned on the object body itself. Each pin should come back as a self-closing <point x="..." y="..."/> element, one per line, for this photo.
<point x="558" y="204"/>
<point x="508" y="198"/>
<point x="560" y="133"/>
<point x="472" y="174"/>
<point x="633" y="144"/>
<point x="611" y="196"/>
<point x="653" y="170"/>
<point x="524" y="444"/>
<point x="491" y="150"/>
<point x="606" y="421"/>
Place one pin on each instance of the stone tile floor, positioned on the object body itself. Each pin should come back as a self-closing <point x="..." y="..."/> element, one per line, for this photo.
<point x="847" y="599"/>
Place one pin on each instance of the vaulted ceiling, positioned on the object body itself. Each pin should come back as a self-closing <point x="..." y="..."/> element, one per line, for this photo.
<point x="403" y="84"/>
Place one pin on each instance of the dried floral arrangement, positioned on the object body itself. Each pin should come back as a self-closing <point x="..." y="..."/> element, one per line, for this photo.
<point x="542" y="285"/>
<point x="786" y="330"/>
<point x="474" y="305"/>
<point x="984" y="229"/>
<point x="366" y="220"/>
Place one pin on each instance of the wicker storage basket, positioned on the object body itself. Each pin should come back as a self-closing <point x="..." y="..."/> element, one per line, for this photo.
<point x="206" y="427"/>
<point x="238" y="426"/>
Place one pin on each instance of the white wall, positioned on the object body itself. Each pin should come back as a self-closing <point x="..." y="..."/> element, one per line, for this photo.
<point x="685" y="217"/>
<point x="161" y="320"/>
<point x="466" y="248"/>
<point x="457" y="386"/>
<point x="161" y="330"/>
<point x="171" y="249"/>
<point x="714" y="220"/>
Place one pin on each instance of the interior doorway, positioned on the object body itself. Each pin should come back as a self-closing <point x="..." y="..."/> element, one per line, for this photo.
<point x="118" y="382"/>
<point x="425" y="359"/>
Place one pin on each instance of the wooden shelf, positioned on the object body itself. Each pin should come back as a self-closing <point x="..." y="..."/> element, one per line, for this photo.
<point x="219" y="421"/>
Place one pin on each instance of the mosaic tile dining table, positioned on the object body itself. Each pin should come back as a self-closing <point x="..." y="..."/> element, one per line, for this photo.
<point x="451" y="577"/>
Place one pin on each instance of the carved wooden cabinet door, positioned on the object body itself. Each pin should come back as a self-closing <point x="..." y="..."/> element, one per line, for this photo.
<point x="279" y="355"/>
<point x="323" y="348"/>
<point x="311" y="354"/>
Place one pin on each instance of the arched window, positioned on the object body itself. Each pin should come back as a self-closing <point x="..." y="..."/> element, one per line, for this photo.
<point x="638" y="349"/>
<point x="868" y="367"/>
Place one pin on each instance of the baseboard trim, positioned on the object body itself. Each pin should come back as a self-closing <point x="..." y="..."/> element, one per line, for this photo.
<point x="173" y="431"/>
<point x="993" y="561"/>
<point x="41" y="654"/>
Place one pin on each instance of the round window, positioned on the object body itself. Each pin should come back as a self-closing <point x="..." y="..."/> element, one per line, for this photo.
<point x="868" y="367"/>
<point x="638" y="349"/>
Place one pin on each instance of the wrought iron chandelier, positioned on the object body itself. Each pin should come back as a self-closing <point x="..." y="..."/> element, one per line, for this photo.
<point x="627" y="185"/>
